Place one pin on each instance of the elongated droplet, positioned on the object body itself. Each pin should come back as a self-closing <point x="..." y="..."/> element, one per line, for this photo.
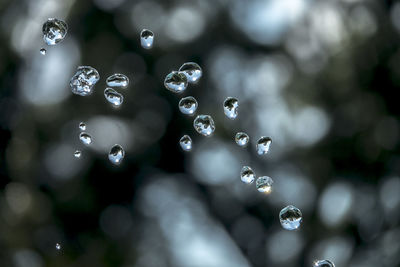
<point x="83" y="81"/>
<point x="85" y="138"/>
<point x="117" y="80"/>
<point x="186" y="143"/>
<point x="290" y="217"/>
<point x="242" y="139"/>
<point x="204" y="125"/>
<point x="264" y="184"/>
<point x="176" y="82"/>
<point x="43" y="51"/>
<point x="231" y="106"/>
<point x="188" y="105"/>
<point x="247" y="175"/>
<point x="323" y="263"/>
<point x="192" y="71"/>
<point x="54" y="31"/>
<point x="77" y="154"/>
<point x="146" y="38"/>
<point x="58" y="246"/>
<point x="263" y="145"/>
<point x="113" y="97"/>
<point x="116" y="154"/>
<point x="82" y="126"/>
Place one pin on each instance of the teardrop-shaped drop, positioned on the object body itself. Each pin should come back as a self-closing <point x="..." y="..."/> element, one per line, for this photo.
<point x="146" y="38"/>
<point x="116" y="154"/>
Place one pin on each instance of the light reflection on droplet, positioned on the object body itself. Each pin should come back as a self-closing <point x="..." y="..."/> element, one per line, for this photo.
<point x="146" y="38"/>
<point x="323" y="263"/>
<point x="113" y="97"/>
<point x="242" y="139"/>
<point x="54" y="31"/>
<point x="83" y="81"/>
<point x="186" y="143"/>
<point x="58" y="246"/>
<point x="290" y="217"/>
<point x="247" y="175"/>
<point x="82" y="126"/>
<point x="188" y="105"/>
<point x="85" y="138"/>
<point x="43" y="51"/>
<point x="176" y="82"/>
<point x="77" y="154"/>
<point x="263" y="145"/>
<point x="116" y="154"/>
<point x="231" y="105"/>
<point x="192" y="71"/>
<point x="204" y="125"/>
<point x="118" y="80"/>
<point x="264" y="184"/>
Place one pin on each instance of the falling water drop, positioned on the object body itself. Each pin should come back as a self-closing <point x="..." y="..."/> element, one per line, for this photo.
<point x="85" y="138"/>
<point x="231" y="106"/>
<point x="176" y="82"/>
<point x="263" y="145"/>
<point x="77" y="154"/>
<point x="146" y="38"/>
<point x="290" y="218"/>
<point x="43" y="51"/>
<point x="82" y="126"/>
<point x="116" y="154"/>
<point x="188" y="105"/>
<point x="58" y="246"/>
<point x="117" y="80"/>
<point x="192" y="71"/>
<point x="247" y="175"/>
<point x="83" y="81"/>
<point x="323" y="263"/>
<point x="264" y="184"/>
<point x="204" y="125"/>
<point x="186" y="143"/>
<point x="242" y="139"/>
<point x="54" y="31"/>
<point x="113" y="97"/>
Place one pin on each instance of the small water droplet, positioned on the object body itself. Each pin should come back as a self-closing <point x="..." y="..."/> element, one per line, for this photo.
<point x="247" y="175"/>
<point x="85" y="138"/>
<point x="323" y="263"/>
<point x="290" y="217"/>
<point x="188" y="105"/>
<point x="113" y="97"/>
<point x="192" y="71"/>
<point x="83" y="81"/>
<point x="58" y="246"/>
<point x="54" y="31"/>
<point x="242" y="139"/>
<point x="204" y="125"/>
<point x="186" y="143"/>
<point x="116" y="154"/>
<point x="231" y="106"/>
<point x="117" y="80"/>
<point x="146" y="38"/>
<point x="43" y="51"/>
<point x="77" y="154"/>
<point x="82" y="126"/>
<point x="263" y="145"/>
<point x="176" y="82"/>
<point x="264" y="184"/>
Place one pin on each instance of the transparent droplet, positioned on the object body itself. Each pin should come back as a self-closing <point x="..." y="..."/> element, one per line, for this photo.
<point x="117" y="80"/>
<point x="146" y="38"/>
<point x="176" y="82"/>
<point x="247" y="175"/>
<point x="85" y="138"/>
<point x="192" y="71"/>
<point x="204" y="125"/>
<point x="264" y="184"/>
<point x="263" y="145"/>
<point x="116" y="154"/>
<point x="242" y="139"/>
<point x="82" y="126"/>
<point x="188" y="105"/>
<point x="58" y="246"/>
<point x="54" y="31"/>
<point x="290" y="217"/>
<point x="186" y="143"/>
<point x="323" y="263"/>
<point x="83" y="80"/>
<point x="43" y="51"/>
<point x="231" y="105"/>
<point x="113" y="97"/>
<point x="77" y="154"/>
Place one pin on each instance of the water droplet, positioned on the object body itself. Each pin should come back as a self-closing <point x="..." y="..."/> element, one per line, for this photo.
<point x="85" y="138"/>
<point x="231" y="105"/>
<point x="242" y="139"/>
<point x="146" y="38"/>
<point x="82" y="126"/>
<point x="58" y="246"/>
<point x="247" y="175"/>
<point x="204" y="125"/>
<point x="176" y="82"/>
<point x="43" y="51"/>
<point x="188" y="105"/>
<point x="113" y="97"/>
<point x="77" y="154"/>
<point x="290" y="217"/>
<point x="323" y="263"/>
<point x="83" y="80"/>
<point x="263" y="145"/>
<point x="264" y="184"/>
<point x="117" y="80"/>
<point x="54" y="31"/>
<point x="116" y="154"/>
<point x="192" y="71"/>
<point x="186" y="143"/>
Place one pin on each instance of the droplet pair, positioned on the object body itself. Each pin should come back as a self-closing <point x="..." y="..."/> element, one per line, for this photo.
<point x="263" y="183"/>
<point x="116" y="80"/>
<point x="177" y="81"/>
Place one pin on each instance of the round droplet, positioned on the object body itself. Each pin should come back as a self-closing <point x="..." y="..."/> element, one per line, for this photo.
<point x="290" y="218"/>
<point x="83" y="81"/>
<point x="231" y="105"/>
<point x="54" y="31"/>
<point x="82" y="126"/>
<point x="263" y="145"/>
<point x="192" y="71"/>
<point x="188" y="105"/>
<point x="146" y="38"/>
<point x="77" y="154"/>
<point x="43" y="51"/>
<point x="113" y="97"/>
<point x="116" y="154"/>
<point x="58" y="246"/>
<point x="247" y="175"/>
<point x="242" y="139"/>
<point x="204" y="125"/>
<point x="323" y="263"/>
<point x="117" y="80"/>
<point x="85" y="138"/>
<point x="186" y="143"/>
<point x="176" y="82"/>
<point x="264" y="184"/>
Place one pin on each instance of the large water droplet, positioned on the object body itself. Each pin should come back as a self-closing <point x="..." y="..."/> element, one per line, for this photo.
<point x="146" y="38"/>
<point x="192" y="71"/>
<point x="323" y="263"/>
<point x="113" y="97"/>
<point x="231" y="105"/>
<point x="264" y="184"/>
<point x="290" y="217"/>
<point x="188" y="105"/>
<point x="204" y="125"/>
<point x="85" y="138"/>
<point x="117" y="80"/>
<point x="186" y="143"/>
<point x="43" y="51"/>
<point x="54" y="31"/>
<point x="116" y="154"/>
<point x="58" y="246"/>
<point x="247" y="175"/>
<point x="82" y="126"/>
<point x="242" y="139"/>
<point x="83" y="80"/>
<point x="176" y="82"/>
<point x="77" y="154"/>
<point x="263" y="145"/>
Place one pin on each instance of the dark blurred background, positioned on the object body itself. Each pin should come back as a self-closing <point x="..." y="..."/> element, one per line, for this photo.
<point x="321" y="78"/>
